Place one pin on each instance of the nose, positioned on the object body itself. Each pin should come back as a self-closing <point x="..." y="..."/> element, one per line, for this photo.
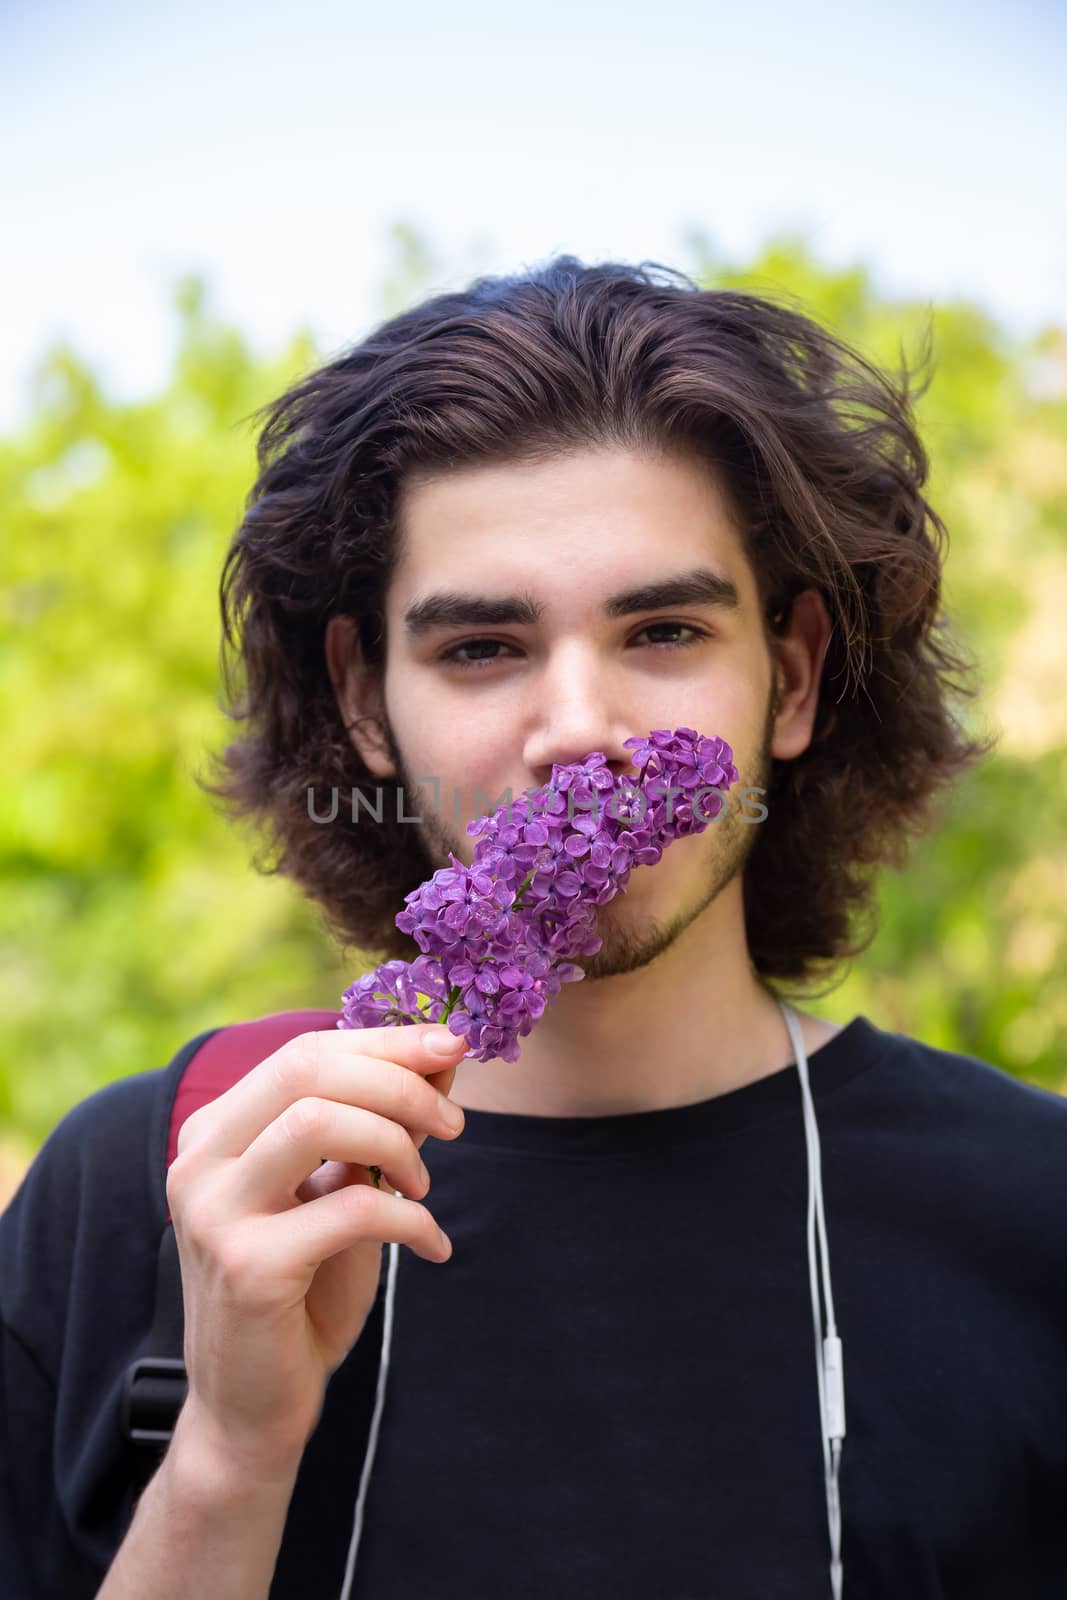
<point x="575" y="716"/>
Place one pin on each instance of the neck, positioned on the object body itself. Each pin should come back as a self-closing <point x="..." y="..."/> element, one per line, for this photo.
<point x="693" y="1022"/>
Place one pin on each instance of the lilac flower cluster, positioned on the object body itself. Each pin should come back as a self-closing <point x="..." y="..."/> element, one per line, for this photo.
<point x="499" y="937"/>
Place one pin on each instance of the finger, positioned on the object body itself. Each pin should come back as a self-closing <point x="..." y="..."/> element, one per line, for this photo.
<point x="326" y="1064"/>
<point x="442" y="1081"/>
<point x="331" y="1176"/>
<point x="269" y="1173"/>
<point x="287" y="1247"/>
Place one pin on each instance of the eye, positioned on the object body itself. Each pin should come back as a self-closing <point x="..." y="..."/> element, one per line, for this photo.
<point x="675" y="644"/>
<point x="452" y="656"/>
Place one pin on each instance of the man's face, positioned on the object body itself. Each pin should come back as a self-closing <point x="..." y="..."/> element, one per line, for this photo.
<point x="488" y="705"/>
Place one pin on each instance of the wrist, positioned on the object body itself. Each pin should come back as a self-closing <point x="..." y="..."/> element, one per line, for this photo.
<point x="207" y="1465"/>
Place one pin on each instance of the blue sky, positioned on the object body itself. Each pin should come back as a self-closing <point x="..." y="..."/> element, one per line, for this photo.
<point x="270" y="147"/>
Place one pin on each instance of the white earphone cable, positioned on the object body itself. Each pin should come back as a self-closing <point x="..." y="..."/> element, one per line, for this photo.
<point x="829" y="1362"/>
<point x="379" y="1402"/>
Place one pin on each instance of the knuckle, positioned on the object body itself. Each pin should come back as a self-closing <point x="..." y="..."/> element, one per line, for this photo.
<point x="191" y="1126"/>
<point x="180" y="1176"/>
<point x="359" y="1202"/>
<point x="189" y="1233"/>
<point x="408" y="1095"/>
<point x="197" y="1214"/>
<point x="296" y="1067"/>
<point x="175" y="1175"/>
<point x="306" y="1119"/>
<point x="234" y="1262"/>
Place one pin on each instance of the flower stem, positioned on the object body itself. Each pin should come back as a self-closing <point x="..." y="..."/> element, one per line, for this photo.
<point x="516" y="904"/>
<point x="450" y="1004"/>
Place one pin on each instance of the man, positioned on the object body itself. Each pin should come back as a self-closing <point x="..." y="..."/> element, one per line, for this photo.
<point x="515" y="526"/>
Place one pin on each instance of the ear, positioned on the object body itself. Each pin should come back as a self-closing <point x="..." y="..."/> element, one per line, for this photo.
<point x="797" y="660"/>
<point x="358" y="691"/>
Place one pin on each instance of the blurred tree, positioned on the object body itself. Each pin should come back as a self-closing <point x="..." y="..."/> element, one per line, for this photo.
<point x="971" y="952"/>
<point x="128" y="913"/>
<point x="130" y="918"/>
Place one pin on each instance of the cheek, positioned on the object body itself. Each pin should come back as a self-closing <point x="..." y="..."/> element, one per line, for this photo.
<point x="733" y="717"/>
<point x="683" y="863"/>
<point x="479" y="793"/>
<point x="461" y="793"/>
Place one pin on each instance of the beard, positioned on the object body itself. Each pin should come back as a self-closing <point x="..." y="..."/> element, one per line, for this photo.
<point x="630" y="938"/>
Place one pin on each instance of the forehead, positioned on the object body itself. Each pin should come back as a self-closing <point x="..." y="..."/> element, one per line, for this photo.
<point x="585" y="518"/>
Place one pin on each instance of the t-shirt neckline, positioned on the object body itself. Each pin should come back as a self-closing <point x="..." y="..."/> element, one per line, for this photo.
<point x="856" y="1048"/>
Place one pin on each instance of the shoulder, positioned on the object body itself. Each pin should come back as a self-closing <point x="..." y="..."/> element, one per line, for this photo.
<point x="96" y="1185"/>
<point x="105" y="1134"/>
<point x="969" y="1094"/>
<point x="964" y="1132"/>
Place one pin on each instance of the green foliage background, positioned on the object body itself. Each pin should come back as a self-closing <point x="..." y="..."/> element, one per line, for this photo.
<point x="130" y="914"/>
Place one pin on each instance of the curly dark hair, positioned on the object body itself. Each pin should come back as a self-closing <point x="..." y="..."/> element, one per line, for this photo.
<point x="819" y="453"/>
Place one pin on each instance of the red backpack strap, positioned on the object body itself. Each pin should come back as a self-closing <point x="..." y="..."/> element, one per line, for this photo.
<point x="155" y="1384"/>
<point x="231" y="1052"/>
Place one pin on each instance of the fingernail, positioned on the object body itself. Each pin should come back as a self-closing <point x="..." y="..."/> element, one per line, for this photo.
<point x="451" y="1113"/>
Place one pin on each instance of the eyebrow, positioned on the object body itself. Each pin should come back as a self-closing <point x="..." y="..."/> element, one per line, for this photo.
<point x="449" y="608"/>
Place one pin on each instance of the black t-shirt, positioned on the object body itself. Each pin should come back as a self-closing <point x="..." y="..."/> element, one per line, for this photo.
<point x="610" y="1388"/>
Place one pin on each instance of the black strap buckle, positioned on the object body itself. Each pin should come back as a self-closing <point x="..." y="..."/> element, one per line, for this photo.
<point x="152" y="1395"/>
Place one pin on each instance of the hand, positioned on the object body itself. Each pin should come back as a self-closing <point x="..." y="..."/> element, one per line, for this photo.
<point x="280" y="1256"/>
